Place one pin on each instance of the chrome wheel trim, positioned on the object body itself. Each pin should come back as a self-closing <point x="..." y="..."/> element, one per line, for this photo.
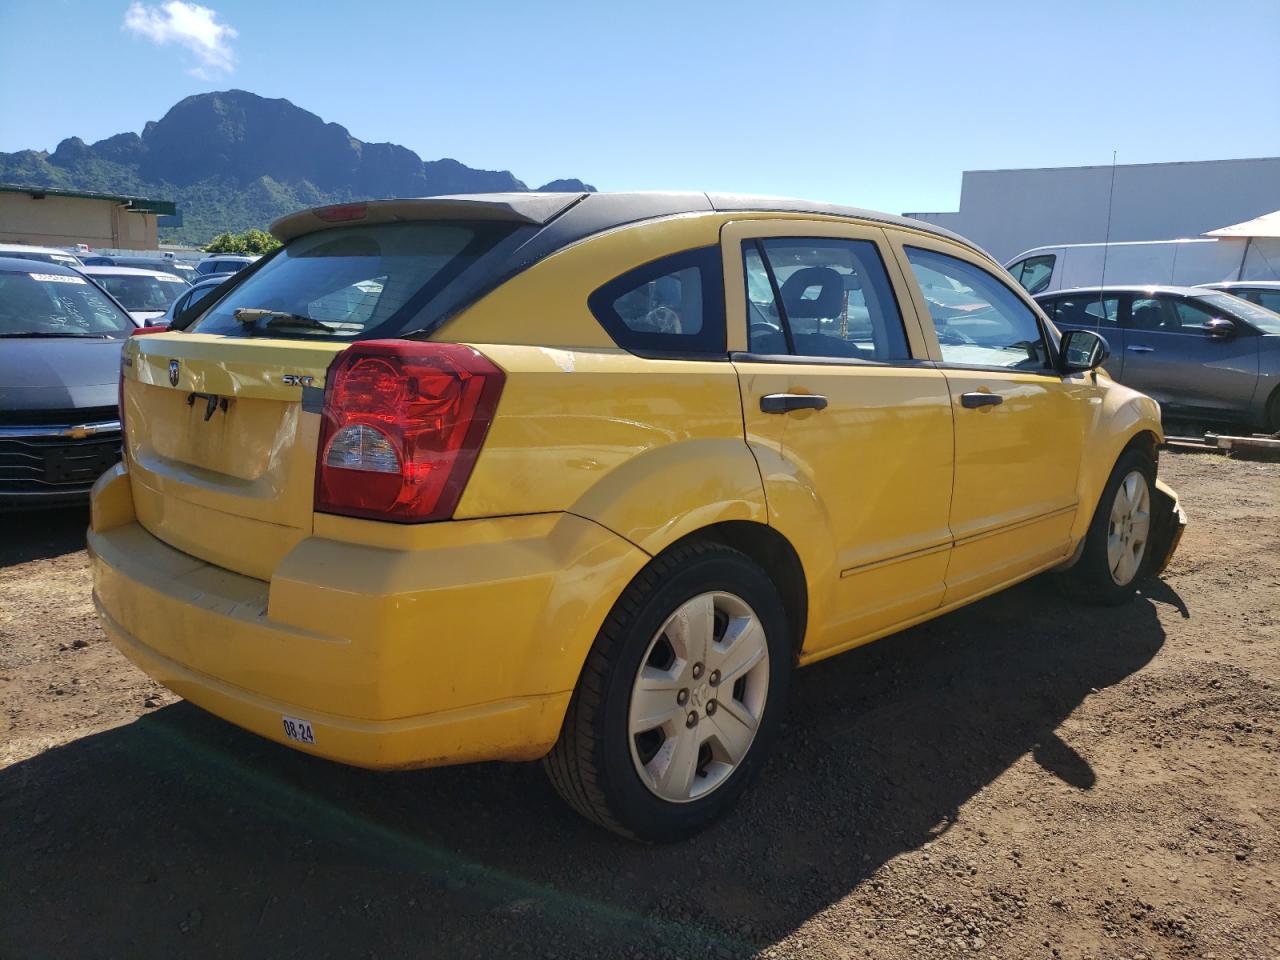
<point x="698" y="697"/>
<point x="1128" y="528"/>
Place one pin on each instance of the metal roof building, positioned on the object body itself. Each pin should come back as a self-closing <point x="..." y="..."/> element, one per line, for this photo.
<point x="64" y="218"/>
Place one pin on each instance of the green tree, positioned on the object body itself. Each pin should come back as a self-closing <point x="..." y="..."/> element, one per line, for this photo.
<point x="250" y="242"/>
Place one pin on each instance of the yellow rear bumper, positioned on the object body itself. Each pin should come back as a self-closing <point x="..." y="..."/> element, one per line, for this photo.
<point x="465" y="647"/>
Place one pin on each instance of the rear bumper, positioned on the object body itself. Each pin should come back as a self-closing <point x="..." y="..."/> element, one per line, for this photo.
<point x="464" y="647"/>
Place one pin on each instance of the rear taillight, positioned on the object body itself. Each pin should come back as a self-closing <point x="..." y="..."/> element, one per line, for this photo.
<point x="403" y="422"/>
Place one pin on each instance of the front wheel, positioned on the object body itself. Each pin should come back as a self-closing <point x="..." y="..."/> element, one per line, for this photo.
<point x="679" y="697"/>
<point x="1117" y="550"/>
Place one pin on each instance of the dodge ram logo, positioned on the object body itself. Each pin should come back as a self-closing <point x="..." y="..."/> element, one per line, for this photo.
<point x="173" y="373"/>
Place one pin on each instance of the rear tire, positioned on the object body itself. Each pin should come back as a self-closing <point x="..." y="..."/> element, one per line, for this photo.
<point x="703" y="627"/>
<point x="1117" y="549"/>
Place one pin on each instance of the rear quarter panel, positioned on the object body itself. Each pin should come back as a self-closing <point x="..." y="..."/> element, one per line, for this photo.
<point x="650" y="448"/>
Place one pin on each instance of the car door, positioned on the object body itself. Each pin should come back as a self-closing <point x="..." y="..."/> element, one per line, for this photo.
<point x="849" y="420"/>
<point x="1170" y="356"/>
<point x="1019" y="425"/>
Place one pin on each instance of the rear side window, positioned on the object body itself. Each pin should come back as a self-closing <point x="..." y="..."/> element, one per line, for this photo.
<point x="667" y="308"/>
<point x="351" y="282"/>
<point x="1089" y="310"/>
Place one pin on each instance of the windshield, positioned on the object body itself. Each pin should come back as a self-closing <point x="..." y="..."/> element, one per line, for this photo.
<point x="57" y="304"/>
<point x="1260" y="317"/>
<point x="143" y="293"/>
<point x="355" y="281"/>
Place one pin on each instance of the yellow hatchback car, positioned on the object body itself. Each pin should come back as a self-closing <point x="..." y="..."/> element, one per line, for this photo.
<point x="583" y="477"/>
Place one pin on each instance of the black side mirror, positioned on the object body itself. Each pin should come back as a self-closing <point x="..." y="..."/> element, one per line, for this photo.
<point x="1082" y="350"/>
<point x="1220" y="329"/>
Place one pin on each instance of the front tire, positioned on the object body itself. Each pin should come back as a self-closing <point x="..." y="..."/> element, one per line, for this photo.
<point x="680" y="696"/>
<point x="1117" y="550"/>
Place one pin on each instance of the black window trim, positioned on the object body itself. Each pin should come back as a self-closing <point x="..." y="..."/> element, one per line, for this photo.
<point x="749" y="356"/>
<point x="1048" y="341"/>
<point x="668" y="346"/>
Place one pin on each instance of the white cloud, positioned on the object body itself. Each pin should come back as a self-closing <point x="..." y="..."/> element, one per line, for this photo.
<point x="190" y="25"/>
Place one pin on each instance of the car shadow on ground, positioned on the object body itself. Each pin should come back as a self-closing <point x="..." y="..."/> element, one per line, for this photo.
<point x="181" y="834"/>
<point x="41" y="534"/>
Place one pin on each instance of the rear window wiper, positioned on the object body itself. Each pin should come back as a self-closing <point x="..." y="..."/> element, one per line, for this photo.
<point x="280" y="318"/>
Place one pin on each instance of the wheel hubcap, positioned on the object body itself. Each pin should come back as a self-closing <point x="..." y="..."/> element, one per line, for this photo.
<point x="1128" y="527"/>
<point x="698" y="697"/>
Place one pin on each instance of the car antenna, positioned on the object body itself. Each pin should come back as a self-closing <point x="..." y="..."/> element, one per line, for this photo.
<point x="1106" y="248"/>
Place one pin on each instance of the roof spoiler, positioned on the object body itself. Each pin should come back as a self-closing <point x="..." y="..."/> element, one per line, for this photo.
<point x="528" y="208"/>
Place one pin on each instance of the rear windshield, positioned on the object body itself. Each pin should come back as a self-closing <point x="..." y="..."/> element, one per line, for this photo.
<point x="143" y="293"/>
<point x="348" y="282"/>
<point x="35" y="304"/>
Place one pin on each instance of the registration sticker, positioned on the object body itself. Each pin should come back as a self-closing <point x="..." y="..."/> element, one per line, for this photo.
<point x="57" y="278"/>
<point x="299" y="730"/>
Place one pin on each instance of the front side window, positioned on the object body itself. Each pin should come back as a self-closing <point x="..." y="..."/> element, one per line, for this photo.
<point x="672" y="306"/>
<point x="979" y="320"/>
<point x="1034" y="273"/>
<point x="821" y="297"/>
<point x="36" y="304"/>
<point x="348" y="282"/>
<point x="1191" y="318"/>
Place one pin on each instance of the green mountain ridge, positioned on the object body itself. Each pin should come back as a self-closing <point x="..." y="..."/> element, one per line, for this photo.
<point x="232" y="160"/>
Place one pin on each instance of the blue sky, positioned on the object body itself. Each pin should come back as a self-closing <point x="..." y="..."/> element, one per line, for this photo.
<point x="876" y="104"/>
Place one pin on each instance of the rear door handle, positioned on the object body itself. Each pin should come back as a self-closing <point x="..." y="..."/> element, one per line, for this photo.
<point x="1140" y="348"/>
<point x="786" y="402"/>
<point x="973" y="400"/>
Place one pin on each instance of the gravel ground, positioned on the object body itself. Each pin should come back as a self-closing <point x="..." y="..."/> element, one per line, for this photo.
<point x="1023" y="778"/>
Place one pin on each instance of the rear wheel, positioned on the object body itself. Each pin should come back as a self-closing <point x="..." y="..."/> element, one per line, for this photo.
<point x="1117" y="550"/>
<point x="679" y="698"/>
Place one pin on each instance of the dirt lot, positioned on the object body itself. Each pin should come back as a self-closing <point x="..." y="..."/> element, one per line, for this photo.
<point x="1023" y="778"/>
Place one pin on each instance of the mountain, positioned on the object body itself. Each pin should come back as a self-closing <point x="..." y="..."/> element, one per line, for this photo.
<point x="234" y="160"/>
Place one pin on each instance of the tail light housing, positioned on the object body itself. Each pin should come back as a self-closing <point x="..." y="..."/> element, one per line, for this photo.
<point x="402" y="425"/>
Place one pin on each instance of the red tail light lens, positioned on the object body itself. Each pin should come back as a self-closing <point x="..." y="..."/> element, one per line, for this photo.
<point x="402" y="425"/>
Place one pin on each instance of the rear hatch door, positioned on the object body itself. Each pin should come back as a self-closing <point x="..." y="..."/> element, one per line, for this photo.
<point x="221" y="446"/>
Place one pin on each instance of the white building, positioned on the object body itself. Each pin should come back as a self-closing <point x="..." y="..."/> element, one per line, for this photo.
<point x="1009" y="211"/>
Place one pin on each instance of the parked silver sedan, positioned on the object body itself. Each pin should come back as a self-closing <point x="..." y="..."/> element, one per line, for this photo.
<point x="1202" y="354"/>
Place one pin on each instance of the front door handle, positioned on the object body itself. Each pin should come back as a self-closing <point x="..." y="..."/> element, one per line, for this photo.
<point x="1140" y="348"/>
<point x="786" y="402"/>
<point x="975" y="400"/>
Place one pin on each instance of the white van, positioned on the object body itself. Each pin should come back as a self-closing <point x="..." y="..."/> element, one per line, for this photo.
<point x="1157" y="262"/>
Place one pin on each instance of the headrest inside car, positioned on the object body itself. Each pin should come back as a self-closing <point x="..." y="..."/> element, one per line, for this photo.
<point x="813" y="292"/>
